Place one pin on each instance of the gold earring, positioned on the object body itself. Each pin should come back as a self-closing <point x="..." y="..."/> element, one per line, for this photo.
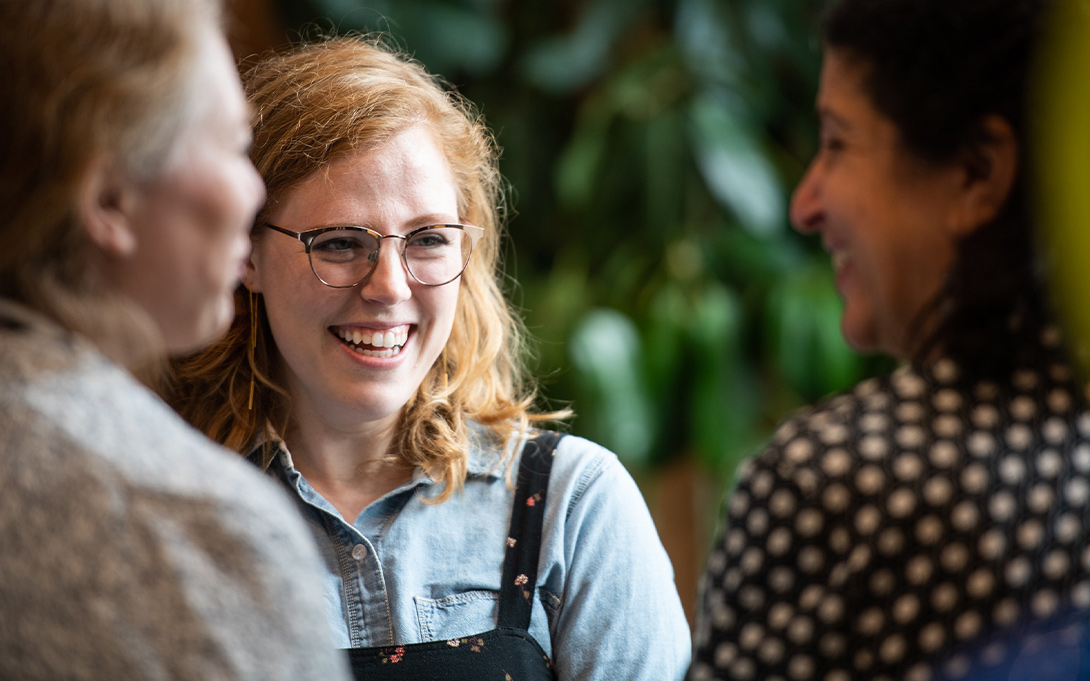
<point x="253" y="345"/>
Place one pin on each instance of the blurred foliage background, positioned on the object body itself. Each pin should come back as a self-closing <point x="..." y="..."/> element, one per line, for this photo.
<point x="651" y="146"/>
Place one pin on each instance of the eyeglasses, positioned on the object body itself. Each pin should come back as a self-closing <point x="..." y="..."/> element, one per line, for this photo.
<point x="342" y="257"/>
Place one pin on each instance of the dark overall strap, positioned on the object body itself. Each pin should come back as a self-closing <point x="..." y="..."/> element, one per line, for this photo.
<point x="524" y="535"/>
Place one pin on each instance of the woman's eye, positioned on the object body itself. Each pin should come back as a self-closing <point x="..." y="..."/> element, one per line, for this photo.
<point x="428" y="240"/>
<point x="343" y="243"/>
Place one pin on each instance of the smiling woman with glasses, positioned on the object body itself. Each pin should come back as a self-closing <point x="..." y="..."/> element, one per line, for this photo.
<point x="375" y="369"/>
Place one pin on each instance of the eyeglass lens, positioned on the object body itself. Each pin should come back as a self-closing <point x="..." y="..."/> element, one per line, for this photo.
<point x="433" y="256"/>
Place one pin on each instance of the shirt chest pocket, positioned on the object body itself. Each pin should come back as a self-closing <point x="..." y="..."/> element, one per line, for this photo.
<point x="464" y="614"/>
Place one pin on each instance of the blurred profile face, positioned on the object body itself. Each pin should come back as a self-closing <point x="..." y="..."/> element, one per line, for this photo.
<point x="885" y="217"/>
<point x="355" y="356"/>
<point x="191" y="222"/>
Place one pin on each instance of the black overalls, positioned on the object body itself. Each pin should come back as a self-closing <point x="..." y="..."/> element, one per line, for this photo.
<point x="508" y="652"/>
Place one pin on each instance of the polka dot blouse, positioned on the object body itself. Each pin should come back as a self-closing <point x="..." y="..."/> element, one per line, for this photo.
<point x="915" y="528"/>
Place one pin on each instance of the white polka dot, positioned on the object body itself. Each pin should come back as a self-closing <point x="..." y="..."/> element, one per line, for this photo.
<point x="801" y="630"/>
<point x="975" y="478"/>
<point x="1060" y="373"/>
<point x="739" y="503"/>
<point x="833" y="645"/>
<point x="838" y="675"/>
<point x="878" y="401"/>
<point x="944" y="597"/>
<point x="906" y="608"/>
<point x="882" y="582"/>
<point x="736" y="542"/>
<point x="955" y="557"/>
<point x="957" y="667"/>
<point x="1002" y="506"/>
<point x="811" y="560"/>
<point x="901" y="502"/>
<point x="1051" y="336"/>
<point x="910" y="412"/>
<point x="1018" y="572"/>
<point x="968" y="625"/>
<point x="779" y="541"/>
<point x="725" y="654"/>
<point x="947" y="400"/>
<point x="1059" y="401"/>
<point x="947" y="426"/>
<point x="892" y="650"/>
<point x="836" y="462"/>
<point x="864" y="660"/>
<point x="919" y="672"/>
<point x="732" y="578"/>
<point x="908" y="467"/>
<point x="980" y="584"/>
<point x="943" y="454"/>
<point x="701" y="672"/>
<point x="986" y="391"/>
<point x="870" y="622"/>
<point x="1080" y="595"/>
<point x="1012" y="469"/>
<point x="932" y="637"/>
<point x="1083" y="424"/>
<point x="757" y="521"/>
<point x="929" y="530"/>
<point x="809" y="522"/>
<point x="801" y="668"/>
<point x="1023" y="408"/>
<point x="751" y="598"/>
<point x="873" y="447"/>
<point x="743" y="669"/>
<point x="831" y="609"/>
<point x="985" y="416"/>
<point x="981" y="444"/>
<point x="772" y="651"/>
<point x="1019" y="436"/>
<point x="799" y="450"/>
<point x="1049" y="463"/>
<point x="1068" y="528"/>
<point x="836" y="498"/>
<point x="965" y="516"/>
<point x="867" y="520"/>
<point x="1025" y="379"/>
<point x="779" y="615"/>
<point x="834" y="434"/>
<point x="910" y="437"/>
<point x="1040" y="499"/>
<point x="938" y="491"/>
<point x="1076" y="492"/>
<point x="1081" y="458"/>
<point x="873" y="422"/>
<point x="992" y="544"/>
<point x="717" y="562"/>
<point x="1045" y="603"/>
<point x="1055" y="430"/>
<point x="918" y="570"/>
<point x="781" y="579"/>
<point x="870" y="479"/>
<point x="891" y="541"/>
<point x="762" y="484"/>
<point x="908" y="385"/>
<point x="782" y="504"/>
<point x="859" y="559"/>
<point x="723" y="616"/>
<point x="840" y="540"/>
<point x="1030" y="534"/>
<point x="811" y="597"/>
<point x="750" y="636"/>
<point x="994" y="654"/>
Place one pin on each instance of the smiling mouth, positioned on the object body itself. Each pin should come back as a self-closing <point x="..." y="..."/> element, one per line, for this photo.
<point x="370" y="343"/>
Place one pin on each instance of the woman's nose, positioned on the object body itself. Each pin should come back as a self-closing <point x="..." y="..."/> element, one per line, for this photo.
<point x="388" y="282"/>
<point x="806" y="205"/>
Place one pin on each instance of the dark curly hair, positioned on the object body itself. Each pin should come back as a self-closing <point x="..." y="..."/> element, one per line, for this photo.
<point x="937" y="69"/>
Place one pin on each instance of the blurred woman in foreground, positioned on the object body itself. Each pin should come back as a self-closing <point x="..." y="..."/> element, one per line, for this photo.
<point x="926" y="524"/>
<point x="132" y="547"/>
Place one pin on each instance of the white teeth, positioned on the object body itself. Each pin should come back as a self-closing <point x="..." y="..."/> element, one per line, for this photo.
<point x="394" y="340"/>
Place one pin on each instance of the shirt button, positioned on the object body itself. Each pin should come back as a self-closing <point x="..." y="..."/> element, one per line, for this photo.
<point x="359" y="552"/>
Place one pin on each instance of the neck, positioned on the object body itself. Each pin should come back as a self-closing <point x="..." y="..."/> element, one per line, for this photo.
<point x="349" y="469"/>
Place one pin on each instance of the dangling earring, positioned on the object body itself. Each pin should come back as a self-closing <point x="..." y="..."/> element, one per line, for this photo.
<point x="253" y="345"/>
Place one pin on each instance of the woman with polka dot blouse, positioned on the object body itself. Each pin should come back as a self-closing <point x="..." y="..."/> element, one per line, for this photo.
<point x="931" y="524"/>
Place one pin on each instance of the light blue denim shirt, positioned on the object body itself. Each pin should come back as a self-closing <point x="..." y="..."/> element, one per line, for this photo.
<point x="407" y="571"/>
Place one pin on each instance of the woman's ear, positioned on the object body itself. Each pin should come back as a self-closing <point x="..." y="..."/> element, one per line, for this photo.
<point x="250" y="276"/>
<point x="990" y="169"/>
<point x="105" y="202"/>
